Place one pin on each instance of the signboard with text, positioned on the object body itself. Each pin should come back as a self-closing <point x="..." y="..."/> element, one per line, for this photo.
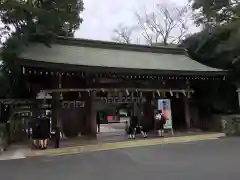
<point x="165" y="106"/>
<point x="119" y="100"/>
<point x="72" y="104"/>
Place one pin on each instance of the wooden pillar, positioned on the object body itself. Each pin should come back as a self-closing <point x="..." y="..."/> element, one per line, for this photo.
<point x="90" y="115"/>
<point x="135" y="109"/>
<point x="238" y="92"/>
<point x="187" y="112"/>
<point x="56" y="102"/>
<point x="93" y="130"/>
<point x="148" y="111"/>
<point x="56" y="109"/>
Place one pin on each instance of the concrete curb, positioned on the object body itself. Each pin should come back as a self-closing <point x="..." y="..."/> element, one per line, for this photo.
<point x="125" y="144"/>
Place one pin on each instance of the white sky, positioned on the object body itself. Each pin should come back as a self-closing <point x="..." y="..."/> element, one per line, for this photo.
<point x="102" y="16"/>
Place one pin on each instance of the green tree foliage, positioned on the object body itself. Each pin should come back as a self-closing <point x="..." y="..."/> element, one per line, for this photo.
<point x="220" y="48"/>
<point x="217" y="45"/>
<point x="33" y="20"/>
<point x="212" y="12"/>
<point x="42" y="17"/>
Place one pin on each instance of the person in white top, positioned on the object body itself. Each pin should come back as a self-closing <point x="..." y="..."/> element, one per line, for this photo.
<point x="160" y="121"/>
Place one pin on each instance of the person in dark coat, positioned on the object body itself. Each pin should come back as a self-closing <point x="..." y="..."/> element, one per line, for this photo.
<point x="142" y="126"/>
<point x="160" y="122"/>
<point x="45" y="128"/>
<point x="98" y="119"/>
<point x="56" y="137"/>
<point x="132" y="127"/>
<point x="36" y="132"/>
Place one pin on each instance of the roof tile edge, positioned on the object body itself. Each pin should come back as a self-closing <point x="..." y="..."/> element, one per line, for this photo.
<point x="118" y="46"/>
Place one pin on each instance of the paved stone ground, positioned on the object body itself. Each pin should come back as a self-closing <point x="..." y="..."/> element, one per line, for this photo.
<point x="16" y="151"/>
<point x="208" y="160"/>
<point x="108" y="133"/>
<point x="125" y="144"/>
<point x="115" y="127"/>
<point x="105" y="141"/>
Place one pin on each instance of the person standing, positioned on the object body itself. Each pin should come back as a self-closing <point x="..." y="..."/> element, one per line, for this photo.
<point x="36" y="133"/>
<point x="133" y="127"/>
<point x="98" y="118"/>
<point x="56" y="137"/>
<point x="142" y="125"/>
<point x="160" y="121"/>
<point x="46" y="130"/>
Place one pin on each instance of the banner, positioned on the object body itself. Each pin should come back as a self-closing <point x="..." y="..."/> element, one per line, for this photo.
<point x="165" y="106"/>
<point x="119" y="100"/>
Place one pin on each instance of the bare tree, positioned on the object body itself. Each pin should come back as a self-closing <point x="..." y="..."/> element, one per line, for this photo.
<point x="168" y="24"/>
<point x="123" y="34"/>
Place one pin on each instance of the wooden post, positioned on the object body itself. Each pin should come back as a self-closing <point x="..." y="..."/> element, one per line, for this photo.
<point x="148" y="111"/>
<point x="90" y="115"/>
<point x="93" y="130"/>
<point x="186" y="112"/>
<point x="238" y="92"/>
<point x="56" y="106"/>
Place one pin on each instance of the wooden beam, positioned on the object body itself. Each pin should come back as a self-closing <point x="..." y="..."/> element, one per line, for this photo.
<point x="118" y="89"/>
<point x="98" y="70"/>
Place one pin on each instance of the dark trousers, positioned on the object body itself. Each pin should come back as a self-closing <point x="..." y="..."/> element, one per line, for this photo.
<point x="98" y="127"/>
<point x="131" y="130"/>
<point x="57" y="143"/>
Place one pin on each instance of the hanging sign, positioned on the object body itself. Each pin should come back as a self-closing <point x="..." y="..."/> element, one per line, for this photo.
<point x="72" y="104"/>
<point x="119" y="100"/>
<point x="165" y="106"/>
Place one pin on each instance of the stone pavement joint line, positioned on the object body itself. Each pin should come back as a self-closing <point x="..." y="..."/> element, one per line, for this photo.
<point x="126" y="144"/>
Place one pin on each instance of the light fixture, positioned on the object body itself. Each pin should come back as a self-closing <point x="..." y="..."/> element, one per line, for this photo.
<point x="164" y="94"/>
<point x="23" y="70"/>
<point x="137" y="93"/>
<point x="127" y="92"/>
<point x="159" y="94"/>
<point x="177" y="95"/>
<point x="132" y="94"/>
<point x="61" y="96"/>
<point x="171" y="93"/>
<point x="184" y="92"/>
